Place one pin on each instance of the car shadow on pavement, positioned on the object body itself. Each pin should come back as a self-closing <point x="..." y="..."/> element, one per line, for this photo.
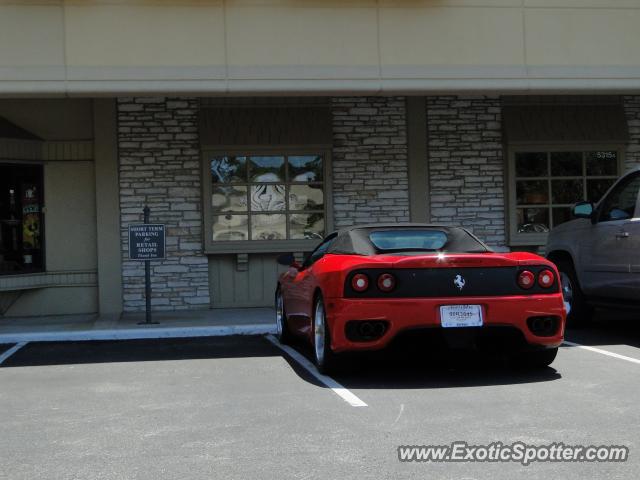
<point x="479" y="371"/>
<point x="608" y="327"/>
<point x="154" y="350"/>
<point x="429" y="376"/>
<point x="411" y="368"/>
<point x="389" y="369"/>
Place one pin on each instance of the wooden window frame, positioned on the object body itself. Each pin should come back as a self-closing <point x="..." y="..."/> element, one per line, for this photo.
<point x="537" y="239"/>
<point x="212" y="247"/>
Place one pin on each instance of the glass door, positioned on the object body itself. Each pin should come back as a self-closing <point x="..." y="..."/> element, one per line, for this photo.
<point x="21" y="220"/>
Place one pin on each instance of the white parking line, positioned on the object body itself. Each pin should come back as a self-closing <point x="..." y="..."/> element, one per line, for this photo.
<point x="11" y="351"/>
<point x="338" y="389"/>
<point x="603" y="352"/>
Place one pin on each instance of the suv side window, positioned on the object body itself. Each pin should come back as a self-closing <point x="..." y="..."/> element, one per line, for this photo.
<point x="319" y="252"/>
<point x="620" y="204"/>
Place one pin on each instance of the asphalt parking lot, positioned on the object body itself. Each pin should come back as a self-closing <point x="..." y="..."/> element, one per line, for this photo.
<point x="240" y="407"/>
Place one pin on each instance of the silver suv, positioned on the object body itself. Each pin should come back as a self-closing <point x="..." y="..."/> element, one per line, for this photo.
<point x="598" y="253"/>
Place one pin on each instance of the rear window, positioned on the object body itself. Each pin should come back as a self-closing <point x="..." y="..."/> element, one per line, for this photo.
<point x="429" y="240"/>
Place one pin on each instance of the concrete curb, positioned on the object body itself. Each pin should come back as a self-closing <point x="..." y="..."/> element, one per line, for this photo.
<point x="139" y="333"/>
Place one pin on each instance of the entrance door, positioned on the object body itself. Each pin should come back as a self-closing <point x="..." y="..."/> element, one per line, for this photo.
<point x="21" y="226"/>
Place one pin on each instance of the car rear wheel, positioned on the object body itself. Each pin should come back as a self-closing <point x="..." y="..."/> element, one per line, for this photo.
<point x="578" y="311"/>
<point x="282" y="330"/>
<point x="538" y="358"/>
<point x="323" y="355"/>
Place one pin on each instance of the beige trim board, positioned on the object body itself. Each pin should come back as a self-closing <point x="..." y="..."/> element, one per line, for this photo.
<point x="336" y="87"/>
<point x="329" y="79"/>
<point x="303" y="72"/>
<point x="23" y="73"/>
<point x="145" y="73"/>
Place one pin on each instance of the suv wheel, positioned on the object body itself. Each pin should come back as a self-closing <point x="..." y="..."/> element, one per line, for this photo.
<point x="579" y="313"/>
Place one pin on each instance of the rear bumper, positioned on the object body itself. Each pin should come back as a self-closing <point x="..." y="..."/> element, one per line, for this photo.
<point x="405" y="314"/>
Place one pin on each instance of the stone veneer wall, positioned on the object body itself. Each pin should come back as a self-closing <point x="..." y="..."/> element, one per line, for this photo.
<point x="159" y="162"/>
<point x="370" y="172"/>
<point x="466" y="164"/>
<point x="632" y="110"/>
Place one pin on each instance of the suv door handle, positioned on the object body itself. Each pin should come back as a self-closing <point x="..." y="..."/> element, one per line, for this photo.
<point x="622" y="235"/>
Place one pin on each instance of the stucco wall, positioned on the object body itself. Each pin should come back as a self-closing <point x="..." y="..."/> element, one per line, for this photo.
<point x="466" y="164"/>
<point x="329" y="46"/>
<point x="370" y="174"/>
<point x="159" y="156"/>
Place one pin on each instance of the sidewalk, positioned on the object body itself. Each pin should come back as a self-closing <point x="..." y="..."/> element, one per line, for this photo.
<point x="222" y="322"/>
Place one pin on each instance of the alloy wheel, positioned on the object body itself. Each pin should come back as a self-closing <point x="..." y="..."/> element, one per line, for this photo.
<point x="319" y="332"/>
<point x="567" y="291"/>
<point x="279" y="314"/>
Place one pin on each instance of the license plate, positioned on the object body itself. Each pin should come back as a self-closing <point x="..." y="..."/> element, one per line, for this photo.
<point x="456" y="316"/>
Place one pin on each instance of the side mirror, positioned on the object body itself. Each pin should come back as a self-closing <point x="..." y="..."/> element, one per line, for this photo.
<point x="288" y="260"/>
<point x="583" y="210"/>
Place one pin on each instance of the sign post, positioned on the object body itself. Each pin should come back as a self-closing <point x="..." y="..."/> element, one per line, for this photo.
<point x="147" y="242"/>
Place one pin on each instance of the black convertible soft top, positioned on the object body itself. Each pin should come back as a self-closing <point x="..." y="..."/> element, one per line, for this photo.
<point x="355" y="240"/>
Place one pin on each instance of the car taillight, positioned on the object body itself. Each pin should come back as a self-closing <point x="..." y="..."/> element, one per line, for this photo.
<point x="546" y="278"/>
<point x="526" y="279"/>
<point x="386" y="282"/>
<point x="360" y="282"/>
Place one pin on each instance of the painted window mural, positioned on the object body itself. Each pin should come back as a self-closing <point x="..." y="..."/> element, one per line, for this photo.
<point x="274" y="197"/>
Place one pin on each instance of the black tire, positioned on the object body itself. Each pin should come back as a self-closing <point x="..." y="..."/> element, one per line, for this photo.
<point x="283" y="334"/>
<point x="537" y="358"/>
<point x="580" y="313"/>
<point x="323" y="355"/>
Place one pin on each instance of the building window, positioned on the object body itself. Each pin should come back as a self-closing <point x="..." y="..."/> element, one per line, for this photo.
<point x="265" y="198"/>
<point x="21" y="222"/>
<point x="545" y="184"/>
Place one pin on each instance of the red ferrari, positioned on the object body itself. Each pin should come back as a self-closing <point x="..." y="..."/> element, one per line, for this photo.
<point x="364" y="285"/>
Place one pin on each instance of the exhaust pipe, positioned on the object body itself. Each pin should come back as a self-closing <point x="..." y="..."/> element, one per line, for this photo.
<point x="366" y="329"/>
<point x="379" y="329"/>
<point x="543" y="326"/>
<point x="536" y="325"/>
